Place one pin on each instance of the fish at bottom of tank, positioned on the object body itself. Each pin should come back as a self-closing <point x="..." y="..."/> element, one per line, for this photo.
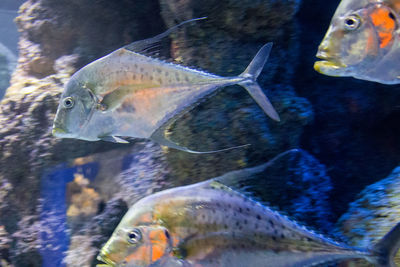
<point x="210" y="224"/>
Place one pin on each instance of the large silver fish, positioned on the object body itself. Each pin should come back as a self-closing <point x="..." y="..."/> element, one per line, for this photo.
<point x="363" y="41"/>
<point x="209" y="224"/>
<point x="129" y="94"/>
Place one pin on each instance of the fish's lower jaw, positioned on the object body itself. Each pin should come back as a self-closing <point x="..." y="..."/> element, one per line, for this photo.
<point x="107" y="262"/>
<point x="330" y="68"/>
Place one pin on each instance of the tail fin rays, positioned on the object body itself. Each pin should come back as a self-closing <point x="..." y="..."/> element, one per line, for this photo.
<point x="252" y="72"/>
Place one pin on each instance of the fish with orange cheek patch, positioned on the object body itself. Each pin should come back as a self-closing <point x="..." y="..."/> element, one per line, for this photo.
<point x="363" y="42"/>
<point x="209" y="224"/>
<point x="139" y="246"/>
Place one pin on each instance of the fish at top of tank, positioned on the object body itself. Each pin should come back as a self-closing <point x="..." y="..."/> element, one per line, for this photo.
<point x="209" y="224"/>
<point x="363" y="42"/>
<point x="129" y="94"/>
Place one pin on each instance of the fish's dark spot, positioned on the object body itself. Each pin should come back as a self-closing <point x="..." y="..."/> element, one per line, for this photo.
<point x="258" y="217"/>
<point x="274" y="238"/>
<point x="166" y="73"/>
<point x="186" y="78"/>
<point x="134" y="76"/>
<point x="256" y="226"/>
<point x="225" y="226"/>
<point x="283" y="236"/>
<point x="159" y="80"/>
<point x="141" y="77"/>
<point x="240" y="210"/>
<point x="245" y="221"/>
<point x="237" y="223"/>
<point x="391" y="15"/>
<point x="159" y="70"/>
<point x="177" y="77"/>
<point x="135" y="65"/>
<point x="248" y="209"/>
<point x="141" y="69"/>
<point x="203" y="216"/>
<point x="309" y="239"/>
<point x="271" y="222"/>
<point x="242" y="246"/>
<point x="151" y="78"/>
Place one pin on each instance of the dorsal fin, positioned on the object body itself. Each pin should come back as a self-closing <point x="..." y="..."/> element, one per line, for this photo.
<point x="143" y="46"/>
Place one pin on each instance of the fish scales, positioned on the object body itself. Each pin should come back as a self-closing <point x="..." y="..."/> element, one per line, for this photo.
<point x="208" y="224"/>
<point x="129" y="94"/>
<point x="221" y="211"/>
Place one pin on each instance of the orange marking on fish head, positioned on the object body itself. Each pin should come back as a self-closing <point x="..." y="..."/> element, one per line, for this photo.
<point x="385" y="24"/>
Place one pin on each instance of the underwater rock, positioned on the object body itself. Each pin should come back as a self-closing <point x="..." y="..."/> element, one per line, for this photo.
<point x="224" y="44"/>
<point x="144" y="171"/>
<point x="85" y="245"/>
<point x="375" y="212"/>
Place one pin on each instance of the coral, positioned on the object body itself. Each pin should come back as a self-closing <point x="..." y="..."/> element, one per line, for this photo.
<point x="374" y="213"/>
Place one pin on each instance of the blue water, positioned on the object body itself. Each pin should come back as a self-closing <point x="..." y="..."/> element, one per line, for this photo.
<point x="53" y="216"/>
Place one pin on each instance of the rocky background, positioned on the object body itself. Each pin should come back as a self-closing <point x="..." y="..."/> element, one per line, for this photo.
<point x="61" y="199"/>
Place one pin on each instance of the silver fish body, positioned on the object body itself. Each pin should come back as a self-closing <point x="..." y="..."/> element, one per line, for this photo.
<point x="208" y="224"/>
<point x="129" y="94"/>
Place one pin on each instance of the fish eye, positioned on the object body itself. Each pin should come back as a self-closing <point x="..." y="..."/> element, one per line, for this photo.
<point x="134" y="236"/>
<point x="68" y="102"/>
<point x="352" y="22"/>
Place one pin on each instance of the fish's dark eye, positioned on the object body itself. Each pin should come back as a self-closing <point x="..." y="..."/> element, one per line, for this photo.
<point x="134" y="236"/>
<point x="352" y="22"/>
<point x="68" y="102"/>
<point x="391" y="15"/>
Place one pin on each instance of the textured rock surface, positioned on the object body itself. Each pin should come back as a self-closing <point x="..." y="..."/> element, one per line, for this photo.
<point x="374" y="213"/>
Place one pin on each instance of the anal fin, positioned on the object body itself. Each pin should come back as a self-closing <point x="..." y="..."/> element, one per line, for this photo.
<point x="159" y="137"/>
<point x="114" y="139"/>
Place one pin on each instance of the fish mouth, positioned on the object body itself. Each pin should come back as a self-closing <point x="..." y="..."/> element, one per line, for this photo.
<point x="103" y="258"/>
<point x="329" y="65"/>
<point x="58" y="132"/>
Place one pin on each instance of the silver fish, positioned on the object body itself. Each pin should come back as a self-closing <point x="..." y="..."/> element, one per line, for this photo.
<point x="209" y="224"/>
<point x="363" y="41"/>
<point x="129" y="94"/>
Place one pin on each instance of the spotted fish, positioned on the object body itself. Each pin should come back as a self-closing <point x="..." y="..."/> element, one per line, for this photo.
<point x="129" y="94"/>
<point x="363" y="41"/>
<point x="210" y="224"/>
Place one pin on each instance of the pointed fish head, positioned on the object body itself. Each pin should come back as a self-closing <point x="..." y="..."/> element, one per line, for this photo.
<point x="360" y="35"/>
<point x="137" y="241"/>
<point x="76" y="106"/>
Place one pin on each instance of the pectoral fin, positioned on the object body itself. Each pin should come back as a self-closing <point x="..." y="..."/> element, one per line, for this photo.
<point x="113" y="99"/>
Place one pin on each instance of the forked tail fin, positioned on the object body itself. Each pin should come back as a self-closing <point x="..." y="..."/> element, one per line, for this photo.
<point x="387" y="247"/>
<point x="252" y="72"/>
